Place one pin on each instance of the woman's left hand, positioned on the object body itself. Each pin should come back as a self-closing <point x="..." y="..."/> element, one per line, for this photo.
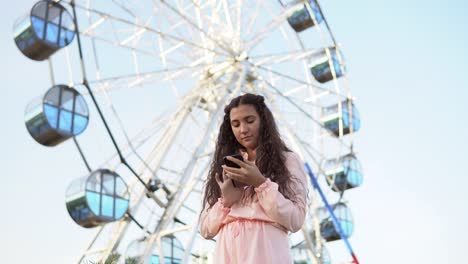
<point x="248" y="172"/>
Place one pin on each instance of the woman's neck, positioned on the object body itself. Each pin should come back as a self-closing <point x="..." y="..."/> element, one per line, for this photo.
<point x="252" y="154"/>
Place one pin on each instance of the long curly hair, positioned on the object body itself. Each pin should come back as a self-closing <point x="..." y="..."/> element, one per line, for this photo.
<point x="270" y="152"/>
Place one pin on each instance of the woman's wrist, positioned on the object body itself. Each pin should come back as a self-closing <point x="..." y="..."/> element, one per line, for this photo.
<point x="260" y="181"/>
<point x="266" y="184"/>
<point x="226" y="203"/>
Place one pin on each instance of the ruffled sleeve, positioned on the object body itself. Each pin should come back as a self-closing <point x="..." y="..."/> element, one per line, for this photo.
<point x="289" y="214"/>
<point x="212" y="218"/>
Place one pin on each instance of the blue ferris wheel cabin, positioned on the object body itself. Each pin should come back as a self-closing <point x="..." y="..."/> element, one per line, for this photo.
<point x="48" y="28"/>
<point x="60" y="114"/>
<point x="97" y="199"/>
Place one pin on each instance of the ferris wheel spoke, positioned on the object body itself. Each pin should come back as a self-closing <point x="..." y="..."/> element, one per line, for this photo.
<point x="192" y="24"/>
<point x="239" y="4"/>
<point x="125" y="9"/>
<point x="304" y="145"/>
<point x="148" y="51"/>
<point x="282" y="57"/>
<point x="298" y="106"/>
<point x="216" y="24"/>
<point x="232" y="21"/>
<point x="132" y="80"/>
<point x="203" y="37"/>
<point x="227" y="15"/>
<point x="328" y="91"/>
<point x="212" y="19"/>
<point x="295" y="90"/>
<point x="134" y="38"/>
<point x="177" y="24"/>
<point x="266" y="30"/>
<point x="137" y="33"/>
<point x="164" y="35"/>
<point x="253" y="19"/>
<point x="294" y="103"/>
<point x="312" y="153"/>
<point x="131" y="146"/>
<point x="139" y="139"/>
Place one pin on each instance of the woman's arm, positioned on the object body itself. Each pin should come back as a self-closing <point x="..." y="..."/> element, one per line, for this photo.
<point x="285" y="212"/>
<point x="211" y="219"/>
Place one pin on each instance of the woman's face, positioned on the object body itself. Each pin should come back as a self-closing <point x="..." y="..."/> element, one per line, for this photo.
<point x="245" y="123"/>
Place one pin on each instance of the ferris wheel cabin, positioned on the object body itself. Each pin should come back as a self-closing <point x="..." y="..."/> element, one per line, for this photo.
<point x="301" y="256"/>
<point x="343" y="214"/>
<point x="60" y="114"/>
<point x="171" y="251"/>
<point x="97" y="199"/>
<point x="48" y="28"/>
<point x="300" y="17"/>
<point x="343" y="173"/>
<point x="326" y="63"/>
<point x="341" y="122"/>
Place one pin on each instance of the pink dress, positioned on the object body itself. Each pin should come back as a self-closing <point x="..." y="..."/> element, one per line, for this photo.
<point x="256" y="230"/>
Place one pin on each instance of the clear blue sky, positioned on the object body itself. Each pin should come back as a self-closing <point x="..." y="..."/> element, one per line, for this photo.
<point x="407" y="64"/>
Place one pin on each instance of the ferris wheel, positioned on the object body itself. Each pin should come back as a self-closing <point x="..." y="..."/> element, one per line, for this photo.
<point x="140" y="86"/>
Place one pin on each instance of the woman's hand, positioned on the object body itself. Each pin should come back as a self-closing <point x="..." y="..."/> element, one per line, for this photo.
<point x="248" y="172"/>
<point x="230" y="193"/>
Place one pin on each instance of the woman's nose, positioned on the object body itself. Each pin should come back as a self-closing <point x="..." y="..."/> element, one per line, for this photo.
<point x="244" y="128"/>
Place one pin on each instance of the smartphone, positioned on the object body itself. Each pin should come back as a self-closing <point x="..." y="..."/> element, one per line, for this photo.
<point x="231" y="163"/>
<point x="234" y="165"/>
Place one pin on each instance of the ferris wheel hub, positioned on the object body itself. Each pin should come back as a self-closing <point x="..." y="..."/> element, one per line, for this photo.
<point x="241" y="57"/>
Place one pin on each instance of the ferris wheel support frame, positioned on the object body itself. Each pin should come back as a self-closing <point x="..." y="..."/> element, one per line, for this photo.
<point x="176" y="202"/>
<point x="336" y="223"/>
<point x="162" y="146"/>
<point x="293" y="138"/>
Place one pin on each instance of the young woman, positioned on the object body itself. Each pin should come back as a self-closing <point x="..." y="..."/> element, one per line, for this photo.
<point x="253" y="207"/>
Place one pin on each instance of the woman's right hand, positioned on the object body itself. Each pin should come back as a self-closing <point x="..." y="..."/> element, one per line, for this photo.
<point x="230" y="193"/>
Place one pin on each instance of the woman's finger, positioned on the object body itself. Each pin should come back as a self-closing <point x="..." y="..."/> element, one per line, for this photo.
<point x="218" y="180"/>
<point x="245" y="155"/>
<point x="246" y="158"/>
<point x="224" y="175"/>
<point x="237" y="177"/>
<point x="231" y="170"/>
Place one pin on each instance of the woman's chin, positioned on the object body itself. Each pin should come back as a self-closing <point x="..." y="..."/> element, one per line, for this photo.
<point x="250" y="146"/>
